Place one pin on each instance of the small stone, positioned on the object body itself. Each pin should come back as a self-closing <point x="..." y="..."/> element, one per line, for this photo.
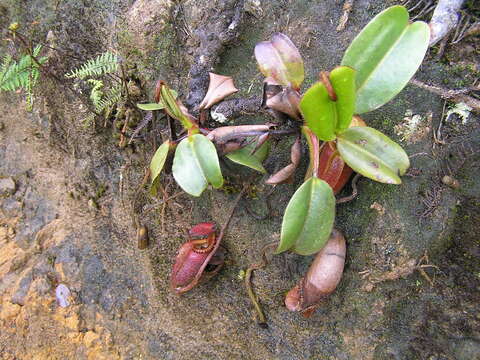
<point x="7" y="187"/>
<point x="62" y="293"/>
<point x="450" y="181"/>
<point x="9" y="310"/>
<point x="90" y="338"/>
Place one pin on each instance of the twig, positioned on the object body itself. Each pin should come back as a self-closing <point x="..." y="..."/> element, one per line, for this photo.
<point x="459" y="95"/>
<point x="248" y="284"/>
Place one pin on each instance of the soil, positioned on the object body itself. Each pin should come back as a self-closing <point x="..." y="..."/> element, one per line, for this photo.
<point x="71" y="198"/>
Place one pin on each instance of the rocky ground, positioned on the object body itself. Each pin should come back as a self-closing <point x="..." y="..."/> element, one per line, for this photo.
<point x="69" y="197"/>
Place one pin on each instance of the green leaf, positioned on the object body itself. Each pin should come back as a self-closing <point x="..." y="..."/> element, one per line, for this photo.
<point x="151" y="106"/>
<point x="319" y="112"/>
<point x="386" y="54"/>
<point x="325" y="116"/>
<point x="158" y="160"/>
<point x="280" y="59"/>
<point x="372" y="154"/>
<point x="308" y="219"/>
<point x="195" y="165"/>
<point x="172" y="107"/>
<point x="245" y="157"/>
<point x="342" y="79"/>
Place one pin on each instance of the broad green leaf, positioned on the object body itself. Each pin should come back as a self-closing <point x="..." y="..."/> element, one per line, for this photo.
<point x="280" y="59"/>
<point x="319" y="112"/>
<point x="308" y="219"/>
<point x="158" y="160"/>
<point x="386" y="54"/>
<point x="372" y="154"/>
<point x="245" y="157"/>
<point x="195" y="165"/>
<point x="151" y="106"/>
<point x="342" y="79"/>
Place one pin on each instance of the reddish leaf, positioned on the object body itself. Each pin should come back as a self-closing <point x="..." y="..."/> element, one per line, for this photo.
<point x="280" y="59"/>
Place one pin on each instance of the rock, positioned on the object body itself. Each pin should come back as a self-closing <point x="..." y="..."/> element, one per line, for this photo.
<point x="37" y="212"/>
<point x="7" y="186"/>
<point x="22" y="288"/>
<point x="9" y="310"/>
<point x="40" y="287"/>
<point x="11" y="207"/>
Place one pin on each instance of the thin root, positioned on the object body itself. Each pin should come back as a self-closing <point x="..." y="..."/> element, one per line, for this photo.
<point x="354" y="191"/>
<point x="248" y="284"/>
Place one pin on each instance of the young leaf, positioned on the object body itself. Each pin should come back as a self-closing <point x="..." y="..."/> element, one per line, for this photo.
<point x="342" y="79"/>
<point x="308" y="219"/>
<point x="219" y="88"/>
<point x="328" y="105"/>
<point x="195" y="165"/>
<point x="386" y="54"/>
<point x="280" y="59"/>
<point x="151" y="106"/>
<point x="158" y="160"/>
<point x="245" y="157"/>
<point x="319" y="112"/>
<point x="372" y="154"/>
<point x="175" y="108"/>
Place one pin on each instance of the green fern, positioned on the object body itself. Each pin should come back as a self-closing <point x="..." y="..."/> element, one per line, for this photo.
<point x="96" y="93"/>
<point x="102" y="102"/>
<point x="23" y="74"/>
<point x="105" y="63"/>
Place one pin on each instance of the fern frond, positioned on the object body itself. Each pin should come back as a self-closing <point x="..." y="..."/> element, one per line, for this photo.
<point x="22" y="75"/>
<point x="103" y="102"/>
<point x="96" y="93"/>
<point x="4" y="68"/>
<point x="105" y="63"/>
<point x="112" y="97"/>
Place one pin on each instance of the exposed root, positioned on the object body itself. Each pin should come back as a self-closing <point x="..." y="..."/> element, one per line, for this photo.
<point x="444" y="19"/>
<point x="431" y="201"/>
<point x="354" y="191"/>
<point x="455" y="95"/>
<point x="220" y="30"/>
<point x="234" y="108"/>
